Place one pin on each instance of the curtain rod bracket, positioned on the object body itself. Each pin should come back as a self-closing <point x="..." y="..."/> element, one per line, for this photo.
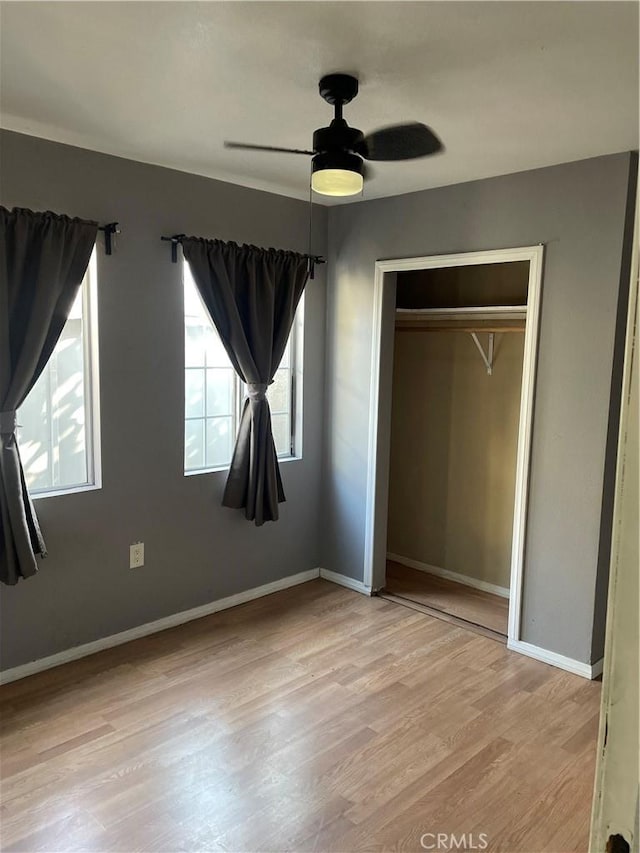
<point x="174" y="240"/>
<point x="313" y="260"/>
<point x="109" y="230"/>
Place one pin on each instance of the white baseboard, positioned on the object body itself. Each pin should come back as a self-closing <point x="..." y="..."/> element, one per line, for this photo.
<point x="596" y="668"/>
<point x="154" y="627"/>
<point x="343" y="580"/>
<point x="586" y="670"/>
<point x="485" y="586"/>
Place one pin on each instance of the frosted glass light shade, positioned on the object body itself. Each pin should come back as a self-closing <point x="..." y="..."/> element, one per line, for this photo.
<point x="337" y="182"/>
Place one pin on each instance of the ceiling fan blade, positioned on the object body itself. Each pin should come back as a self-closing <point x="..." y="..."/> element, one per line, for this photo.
<point x="400" y="142"/>
<point x="247" y="147"/>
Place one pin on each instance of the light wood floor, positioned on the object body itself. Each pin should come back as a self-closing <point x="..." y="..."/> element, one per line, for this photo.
<point x="313" y="719"/>
<point x="456" y="599"/>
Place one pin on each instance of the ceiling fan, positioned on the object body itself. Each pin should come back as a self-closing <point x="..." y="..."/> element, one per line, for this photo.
<point x="339" y="151"/>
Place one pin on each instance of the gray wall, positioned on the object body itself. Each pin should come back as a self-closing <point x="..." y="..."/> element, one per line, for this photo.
<point x="578" y="210"/>
<point x="195" y="550"/>
<point x="451" y="495"/>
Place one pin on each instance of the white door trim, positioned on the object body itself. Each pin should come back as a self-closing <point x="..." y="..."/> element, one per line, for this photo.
<point x="376" y="495"/>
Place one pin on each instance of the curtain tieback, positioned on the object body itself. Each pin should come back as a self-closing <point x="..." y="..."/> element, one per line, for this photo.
<point x="257" y="391"/>
<point x="8" y="422"/>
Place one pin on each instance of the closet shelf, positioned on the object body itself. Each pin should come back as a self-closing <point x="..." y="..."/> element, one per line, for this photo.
<point x="494" y="318"/>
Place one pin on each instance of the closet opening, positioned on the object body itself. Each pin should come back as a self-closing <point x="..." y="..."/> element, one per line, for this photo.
<point x="453" y="372"/>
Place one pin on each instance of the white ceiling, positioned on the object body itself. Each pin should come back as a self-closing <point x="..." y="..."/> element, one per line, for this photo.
<point x="507" y="86"/>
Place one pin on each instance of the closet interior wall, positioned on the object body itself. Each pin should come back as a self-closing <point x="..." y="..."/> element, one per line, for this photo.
<point x="454" y="426"/>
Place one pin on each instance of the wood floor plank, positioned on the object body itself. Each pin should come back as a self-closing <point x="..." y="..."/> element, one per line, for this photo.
<point x="315" y="719"/>
<point x="480" y="608"/>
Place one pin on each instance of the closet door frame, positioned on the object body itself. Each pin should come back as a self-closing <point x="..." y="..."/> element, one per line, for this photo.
<point x="380" y="411"/>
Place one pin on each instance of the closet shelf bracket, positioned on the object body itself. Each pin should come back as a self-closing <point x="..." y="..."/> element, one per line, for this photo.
<point x="488" y="356"/>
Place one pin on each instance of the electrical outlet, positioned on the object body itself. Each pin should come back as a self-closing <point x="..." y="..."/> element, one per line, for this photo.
<point x="136" y="555"/>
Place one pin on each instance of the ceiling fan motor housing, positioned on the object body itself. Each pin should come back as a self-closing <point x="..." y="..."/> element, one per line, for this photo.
<point x="337" y="137"/>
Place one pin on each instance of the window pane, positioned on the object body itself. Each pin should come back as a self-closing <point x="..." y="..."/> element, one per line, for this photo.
<point x="220" y="438"/>
<point x="34" y="435"/>
<point x="68" y="405"/>
<point x="193" y="343"/>
<point x="215" y="352"/>
<point x="278" y="392"/>
<point x="193" y="445"/>
<point x="220" y="386"/>
<point x="281" y="434"/>
<point x="52" y="428"/>
<point x="287" y="353"/>
<point x="193" y="306"/>
<point x="194" y="392"/>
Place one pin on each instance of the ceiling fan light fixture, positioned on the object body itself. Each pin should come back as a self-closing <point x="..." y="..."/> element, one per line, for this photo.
<point x="337" y="174"/>
<point x="339" y="151"/>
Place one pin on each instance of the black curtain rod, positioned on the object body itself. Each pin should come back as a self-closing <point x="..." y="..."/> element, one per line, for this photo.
<point x="178" y="238"/>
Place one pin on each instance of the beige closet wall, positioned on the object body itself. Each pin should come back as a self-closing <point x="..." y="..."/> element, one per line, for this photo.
<point x="453" y="452"/>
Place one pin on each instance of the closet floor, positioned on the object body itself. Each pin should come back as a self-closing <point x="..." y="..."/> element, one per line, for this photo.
<point x="454" y="599"/>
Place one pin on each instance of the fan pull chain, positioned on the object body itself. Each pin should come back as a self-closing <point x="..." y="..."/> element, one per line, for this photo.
<point x="311" y="260"/>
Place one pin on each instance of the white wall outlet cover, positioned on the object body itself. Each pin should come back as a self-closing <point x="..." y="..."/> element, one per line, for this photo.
<point x="136" y="555"/>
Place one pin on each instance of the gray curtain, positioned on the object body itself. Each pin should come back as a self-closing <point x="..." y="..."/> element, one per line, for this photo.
<point x="43" y="259"/>
<point x="251" y="295"/>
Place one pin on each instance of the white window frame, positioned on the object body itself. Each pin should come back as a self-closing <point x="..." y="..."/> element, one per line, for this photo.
<point x="91" y="391"/>
<point x="296" y="362"/>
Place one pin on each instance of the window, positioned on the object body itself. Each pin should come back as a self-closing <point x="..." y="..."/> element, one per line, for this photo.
<point x="214" y="394"/>
<point x="57" y="423"/>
